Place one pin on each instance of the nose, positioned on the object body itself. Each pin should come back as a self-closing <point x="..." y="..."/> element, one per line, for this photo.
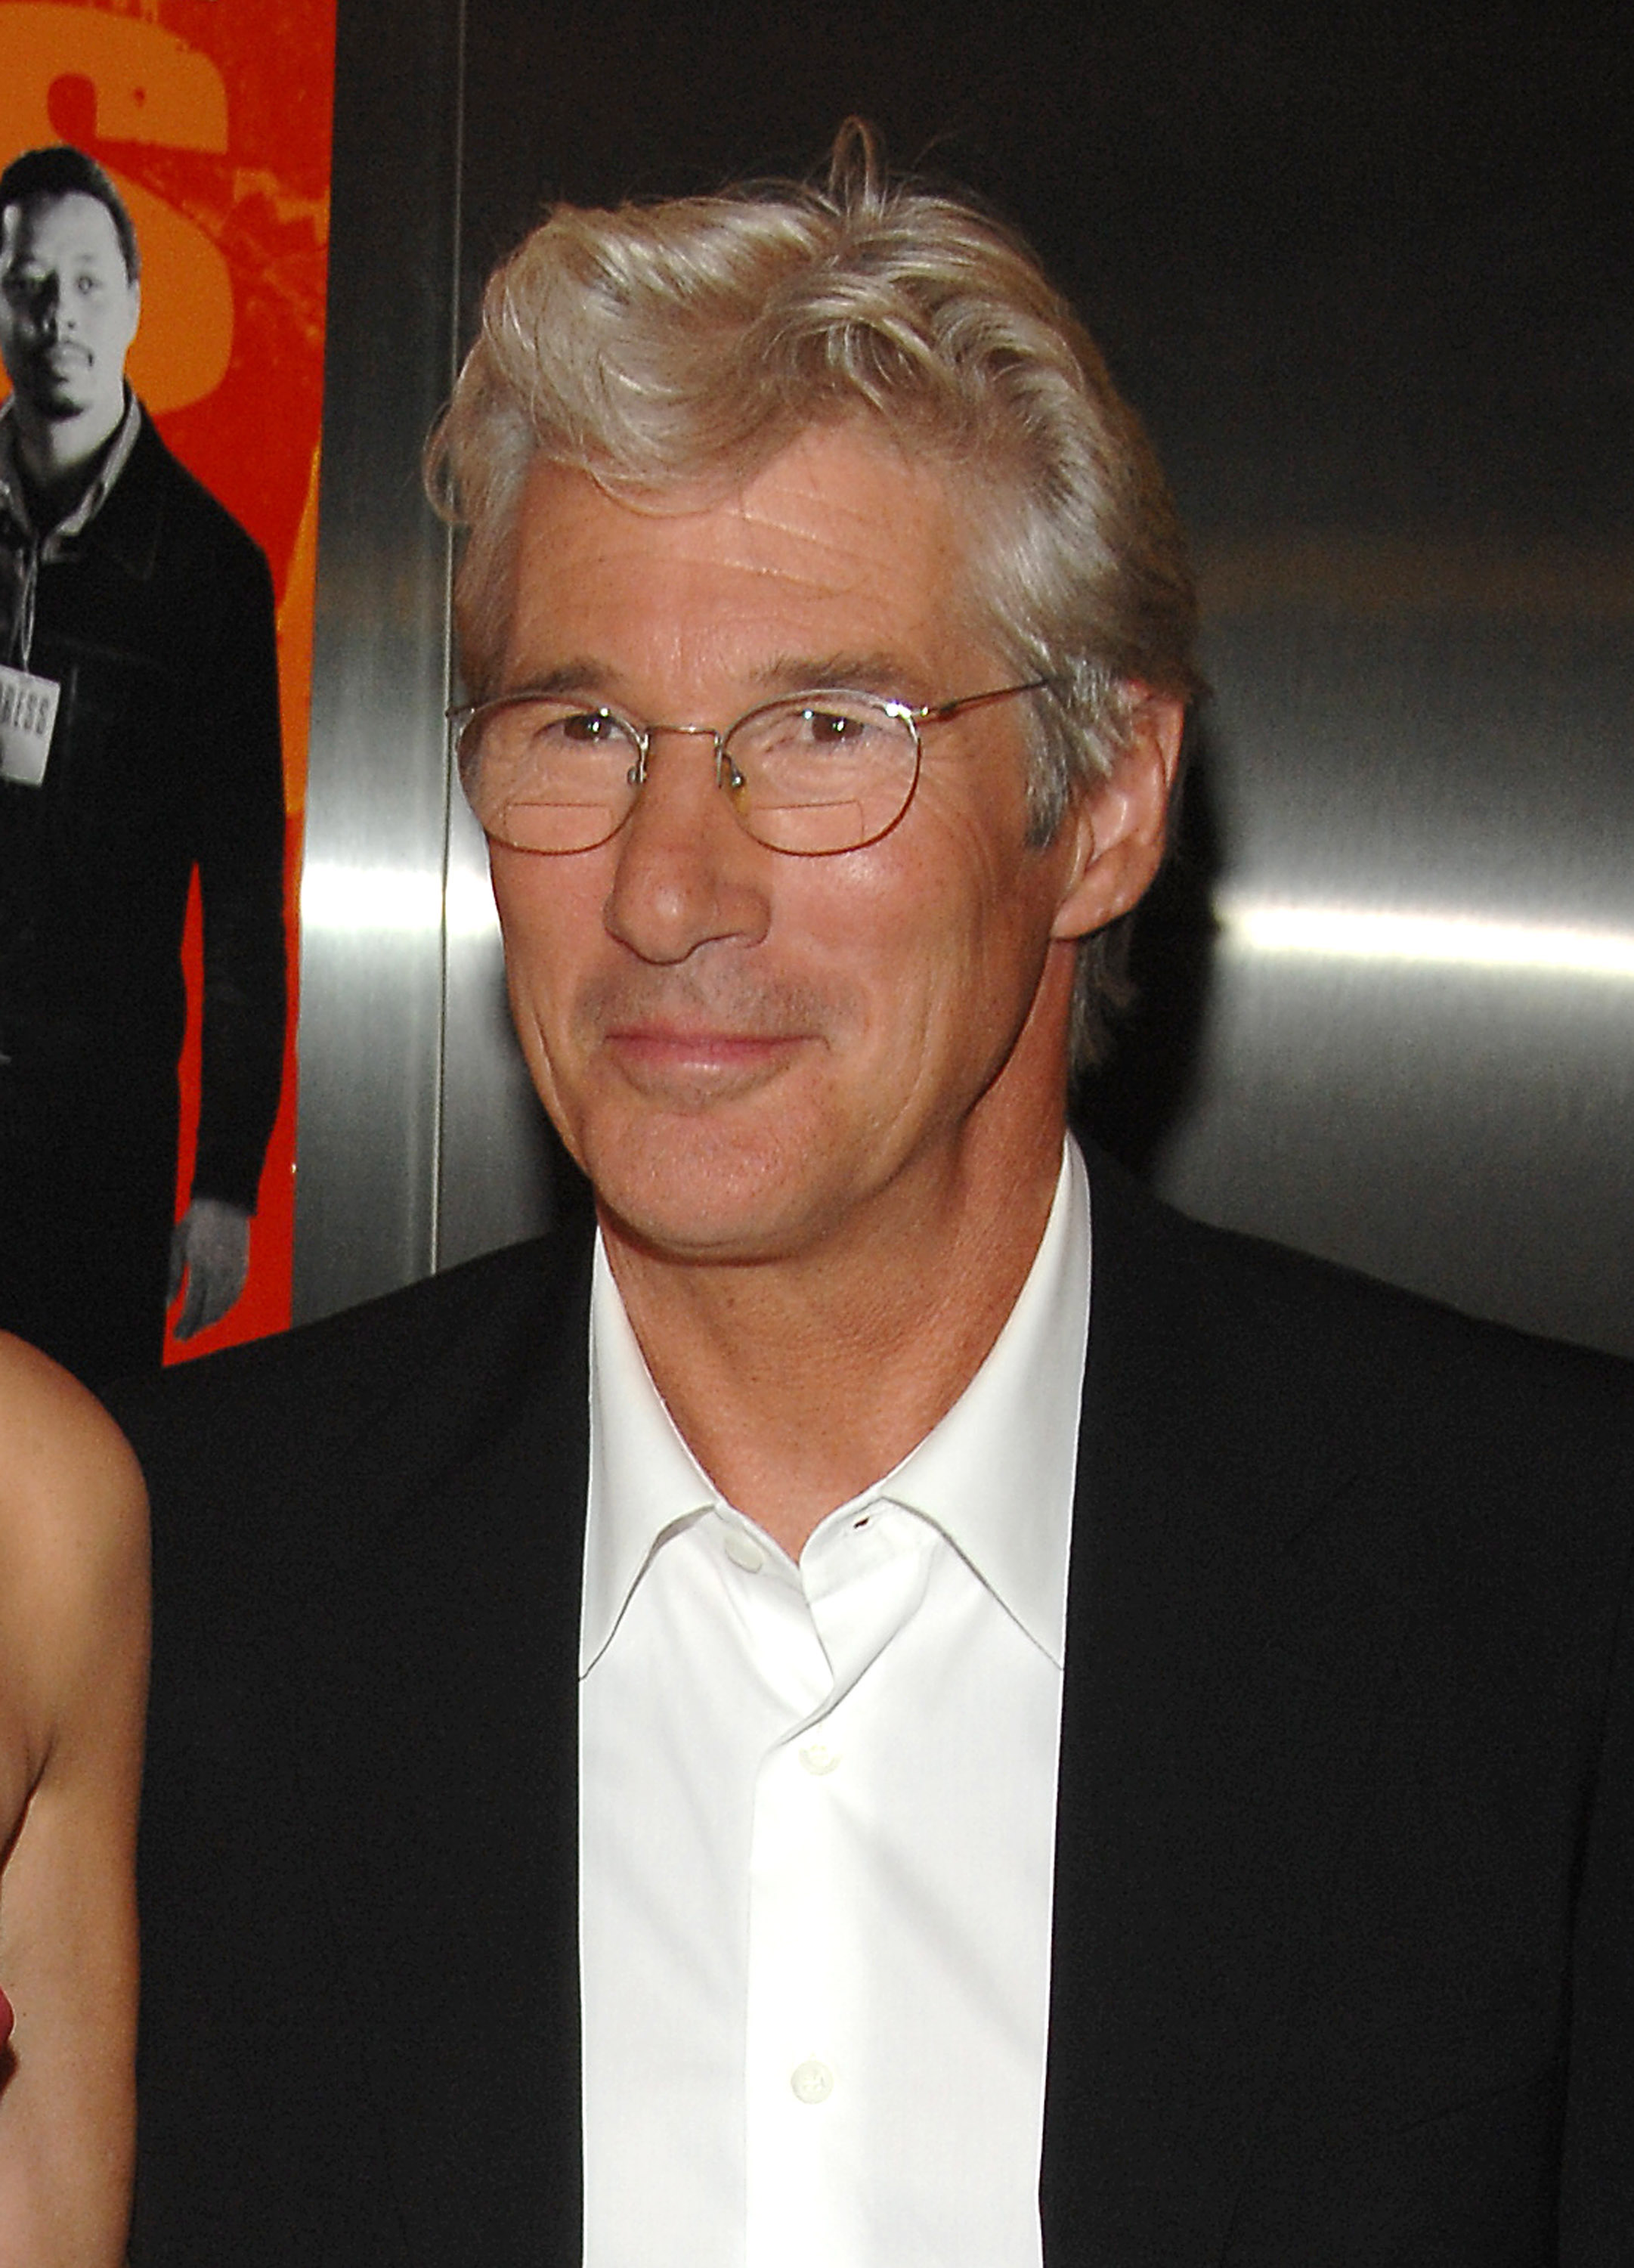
<point x="686" y="875"/>
<point x="48" y="306"/>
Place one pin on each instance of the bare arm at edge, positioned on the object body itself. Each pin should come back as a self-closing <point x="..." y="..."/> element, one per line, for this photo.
<point x="73" y="1676"/>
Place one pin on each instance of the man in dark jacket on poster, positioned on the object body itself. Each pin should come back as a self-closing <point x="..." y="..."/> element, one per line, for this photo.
<point x="139" y="742"/>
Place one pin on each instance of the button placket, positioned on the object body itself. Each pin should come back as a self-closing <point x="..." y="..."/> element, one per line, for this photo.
<point x="794" y="2058"/>
<point x="804" y="2023"/>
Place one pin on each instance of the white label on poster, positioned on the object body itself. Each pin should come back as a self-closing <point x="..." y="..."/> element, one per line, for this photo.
<point x="27" y="713"/>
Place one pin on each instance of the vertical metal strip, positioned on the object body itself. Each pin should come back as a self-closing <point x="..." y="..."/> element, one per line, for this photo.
<point x="494" y="1177"/>
<point x="372" y="923"/>
<point x="450" y="790"/>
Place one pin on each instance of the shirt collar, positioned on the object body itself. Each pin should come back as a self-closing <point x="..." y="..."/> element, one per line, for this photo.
<point x="995" y="1475"/>
<point x="643" y="1479"/>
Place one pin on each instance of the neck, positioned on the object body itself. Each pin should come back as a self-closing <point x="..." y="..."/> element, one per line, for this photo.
<point x="799" y="1382"/>
<point x="53" y="450"/>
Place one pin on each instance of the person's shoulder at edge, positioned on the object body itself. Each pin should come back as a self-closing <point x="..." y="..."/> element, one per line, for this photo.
<point x="1308" y="1348"/>
<point x="73" y="1653"/>
<point x="73" y="1531"/>
<point x="260" y="1449"/>
<point x="1269" y="1275"/>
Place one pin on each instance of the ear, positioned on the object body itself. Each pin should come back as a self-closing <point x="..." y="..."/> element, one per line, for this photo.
<point x="1117" y="826"/>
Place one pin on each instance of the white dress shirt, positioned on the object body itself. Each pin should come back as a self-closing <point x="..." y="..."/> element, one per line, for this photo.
<point x="817" y="1824"/>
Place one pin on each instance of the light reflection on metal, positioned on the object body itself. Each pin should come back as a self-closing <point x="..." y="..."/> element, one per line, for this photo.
<point x="471" y="915"/>
<point x="1429" y="940"/>
<point x="397" y="901"/>
<point x="394" y="900"/>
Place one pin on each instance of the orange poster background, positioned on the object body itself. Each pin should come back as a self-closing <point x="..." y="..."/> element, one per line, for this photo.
<point x="214" y="117"/>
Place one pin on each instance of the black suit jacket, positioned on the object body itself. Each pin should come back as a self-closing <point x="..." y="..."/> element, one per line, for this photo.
<point x="1343" y="1961"/>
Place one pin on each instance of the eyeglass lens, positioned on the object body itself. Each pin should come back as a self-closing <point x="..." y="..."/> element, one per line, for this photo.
<point x="814" y="774"/>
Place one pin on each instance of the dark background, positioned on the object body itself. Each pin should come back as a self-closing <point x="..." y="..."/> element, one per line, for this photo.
<point x="1356" y="265"/>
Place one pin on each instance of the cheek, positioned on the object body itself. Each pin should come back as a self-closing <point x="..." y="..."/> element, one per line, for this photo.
<point x="936" y="952"/>
<point x="987" y="958"/>
<point x="544" y="924"/>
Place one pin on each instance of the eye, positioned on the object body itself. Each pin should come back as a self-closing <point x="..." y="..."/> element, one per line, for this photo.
<point x="824" y="727"/>
<point x="587" y="727"/>
<point x="830" y="725"/>
<point x="837" y="721"/>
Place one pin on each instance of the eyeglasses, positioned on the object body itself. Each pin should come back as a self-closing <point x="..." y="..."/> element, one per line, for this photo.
<point x="815" y="773"/>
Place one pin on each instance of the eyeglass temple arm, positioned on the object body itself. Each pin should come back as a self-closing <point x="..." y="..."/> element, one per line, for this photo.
<point x="942" y="710"/>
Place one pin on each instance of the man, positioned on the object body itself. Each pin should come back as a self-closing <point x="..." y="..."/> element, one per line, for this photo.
<point x="73" y="1674"/>
<point x="138" y="742"/>
<point x="898" y="1705"/>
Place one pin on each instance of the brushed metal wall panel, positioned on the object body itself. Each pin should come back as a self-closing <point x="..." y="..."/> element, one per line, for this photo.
<point x="371" y="911"/>
<point x="1419" y="1056"/>
<point x="1465" y="1134"/>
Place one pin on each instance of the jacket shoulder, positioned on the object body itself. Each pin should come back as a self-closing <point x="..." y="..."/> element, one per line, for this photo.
<point x="187" y="517"/>
<point x="280" y="1462"/>
<point x="1303" y="1364"/>
<point x="1256" y="1289"/>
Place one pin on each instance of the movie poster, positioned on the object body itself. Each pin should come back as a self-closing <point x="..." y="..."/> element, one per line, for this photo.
<point x="212" y="120"/>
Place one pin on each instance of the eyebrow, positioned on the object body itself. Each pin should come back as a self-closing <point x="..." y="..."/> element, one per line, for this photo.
<point x="583" y="678"/>
<point x="878" y="672"/>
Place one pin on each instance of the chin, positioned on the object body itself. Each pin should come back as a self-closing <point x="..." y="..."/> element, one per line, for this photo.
<point x="716" y="1204"/>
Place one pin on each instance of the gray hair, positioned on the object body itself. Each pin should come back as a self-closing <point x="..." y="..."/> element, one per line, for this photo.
<point x="666" y="345"/>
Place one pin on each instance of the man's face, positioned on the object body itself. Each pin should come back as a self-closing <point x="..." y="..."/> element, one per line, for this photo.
<point x="68" y="309"/>
<point x="751" y="1053"/>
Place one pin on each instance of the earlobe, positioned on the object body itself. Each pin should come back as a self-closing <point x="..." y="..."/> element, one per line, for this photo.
<point x="1119" y="826"/>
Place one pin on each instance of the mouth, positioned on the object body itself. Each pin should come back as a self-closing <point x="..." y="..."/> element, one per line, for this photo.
<point x="696" y="1063"/>
<point x="54" y="373"/>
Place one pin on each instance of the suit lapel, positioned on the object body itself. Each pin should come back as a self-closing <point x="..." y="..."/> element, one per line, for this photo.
<point x="441" y="1707"/>
<point x="1228" y="1626"/>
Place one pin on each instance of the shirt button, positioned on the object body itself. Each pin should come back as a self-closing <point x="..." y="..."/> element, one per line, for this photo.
<point x="812" y="2081"/>
<point x="744" y="1552"/>
<point x="818" y="1760"/>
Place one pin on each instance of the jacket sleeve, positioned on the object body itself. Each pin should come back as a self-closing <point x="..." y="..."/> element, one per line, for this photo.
<point x="240" y="852"/>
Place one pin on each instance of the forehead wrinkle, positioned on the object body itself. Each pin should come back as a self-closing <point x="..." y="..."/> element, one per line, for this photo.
<point x="779" y="586"/>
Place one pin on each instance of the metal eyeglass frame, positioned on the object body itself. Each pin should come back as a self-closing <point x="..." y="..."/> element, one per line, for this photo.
<point x="464" y="715"/>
